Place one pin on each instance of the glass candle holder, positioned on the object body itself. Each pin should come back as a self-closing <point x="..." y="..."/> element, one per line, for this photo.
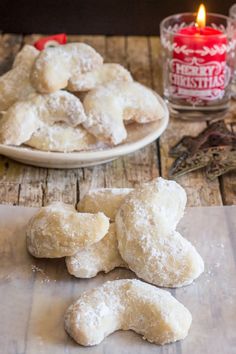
<point x="197" y="65"/>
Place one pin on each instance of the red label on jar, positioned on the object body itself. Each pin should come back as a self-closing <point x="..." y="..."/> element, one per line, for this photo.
<point x="198" y="68"/>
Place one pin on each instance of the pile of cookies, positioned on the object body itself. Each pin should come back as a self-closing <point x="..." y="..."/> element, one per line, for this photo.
<point x="66" y="99"/>
<point x="132" y="228"/>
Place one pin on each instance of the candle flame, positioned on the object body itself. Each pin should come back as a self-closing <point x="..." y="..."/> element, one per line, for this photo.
<point x="201" y="16"/>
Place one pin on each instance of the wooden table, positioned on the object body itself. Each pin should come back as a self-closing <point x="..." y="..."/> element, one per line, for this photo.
<point x="31" y="186"/>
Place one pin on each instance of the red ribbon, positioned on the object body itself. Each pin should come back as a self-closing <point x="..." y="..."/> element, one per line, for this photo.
<point x="53" y="40"/>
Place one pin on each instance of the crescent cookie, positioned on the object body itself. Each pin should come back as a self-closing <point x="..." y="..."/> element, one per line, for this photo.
<point x="63" y="138"/>
<point x="58" y="230"/>
<point x="102" y="256"/>
<point x="105" y="200"/>
<point x="56" y="67"/>
<point x="100" y="76"/>
<point x="127" y="304"/>
<point x="15" y="84"/>
<point x="25" y="117"/>
<point x="109" y="105"/>
<point x="147" y="240"/>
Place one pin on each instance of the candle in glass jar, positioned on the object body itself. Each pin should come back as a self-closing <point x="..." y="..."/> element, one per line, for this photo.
<point x="198" y="69"/>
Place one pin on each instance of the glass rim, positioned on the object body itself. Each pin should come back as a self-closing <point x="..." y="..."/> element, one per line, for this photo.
<point x="194" y="15"/>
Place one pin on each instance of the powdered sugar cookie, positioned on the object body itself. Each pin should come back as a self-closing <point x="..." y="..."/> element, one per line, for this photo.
<point x="58" y="230"/>
<point x="108" y="106"/>
<point x="25" y="117"/>
<point x="55" y="67"/>
<point x="63" y="138"/>
<point x="106" y="200"/>
<point x="103" y="74"/>
<point x="147" y="240"/>
<point x="15" y="84"/>
<point x="102" y="256"/>
<point x="127" y="304"/>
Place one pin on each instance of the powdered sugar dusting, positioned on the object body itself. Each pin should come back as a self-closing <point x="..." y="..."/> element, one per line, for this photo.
<point x="107" y="106"/>
<point x="15" y="84"/>
<point x="100" y="256"/>
<point x="56" y="66"/>
<point x="25" y="117"/>
<point x="127" y="304"/>
<point x="100" y="76"/>
<point x="58" y="231"/>
<point x="61" y="137"/>
<point x="107" y="200"/>
<point x="147" y="238"/>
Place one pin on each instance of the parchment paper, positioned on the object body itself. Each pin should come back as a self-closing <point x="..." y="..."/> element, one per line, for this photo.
<point x="34" y="294"/>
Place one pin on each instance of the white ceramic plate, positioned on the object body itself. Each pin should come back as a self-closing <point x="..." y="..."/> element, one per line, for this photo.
<point x="139" y="135"/>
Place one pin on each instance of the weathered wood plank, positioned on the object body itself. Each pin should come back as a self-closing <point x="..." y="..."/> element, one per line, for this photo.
<point x="9" y="181"/>
<point x="32" y="186"/>
<point x="9" y="193"/>
<point x="30" y="39"/>
<point x="138" y="59"/>
<point x="21" y="184"/>
<point x="199" y="190"/>
<point x="10" y="44"/>
<point x="61" y="185"/>
<point x="155" y="58"/>
<point x="97" y="42"/>
<point x="116" y="51"/>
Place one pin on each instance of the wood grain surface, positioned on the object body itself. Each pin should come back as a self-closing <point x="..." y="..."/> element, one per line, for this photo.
<point x="32" y="186"/>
